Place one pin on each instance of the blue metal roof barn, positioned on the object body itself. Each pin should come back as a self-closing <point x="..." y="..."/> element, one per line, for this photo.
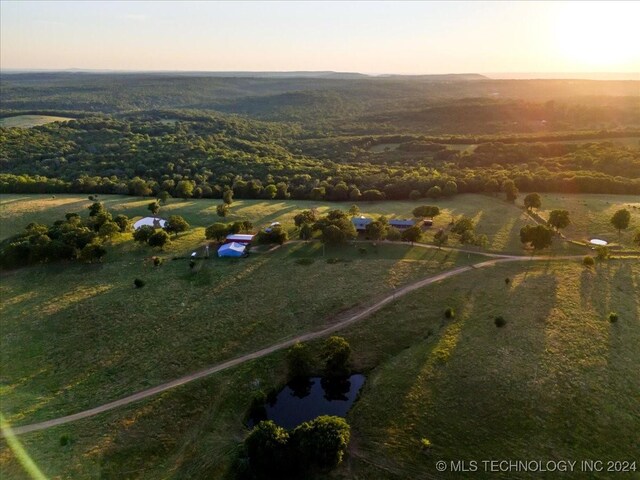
<point x="231" y="250"/>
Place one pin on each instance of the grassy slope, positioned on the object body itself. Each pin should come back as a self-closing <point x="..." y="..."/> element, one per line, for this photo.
<point x="191" y="432"/>
<point x="590" y="215"/>
<point x="558" y="382"/>
<point x="85" y="335"/>
<point x="28" y="121"/>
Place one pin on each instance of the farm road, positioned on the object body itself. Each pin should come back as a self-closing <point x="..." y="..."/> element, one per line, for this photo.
<point x="343" y="321"/>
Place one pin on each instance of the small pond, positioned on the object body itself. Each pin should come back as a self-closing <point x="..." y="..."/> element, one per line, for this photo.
<point x="305" y="399"/>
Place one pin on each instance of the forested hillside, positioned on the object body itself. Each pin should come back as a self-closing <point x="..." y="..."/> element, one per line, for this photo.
<point x="329" y="137"/>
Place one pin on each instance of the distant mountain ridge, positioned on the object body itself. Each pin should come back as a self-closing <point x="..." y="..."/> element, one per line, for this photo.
<point x="328" y="74"/>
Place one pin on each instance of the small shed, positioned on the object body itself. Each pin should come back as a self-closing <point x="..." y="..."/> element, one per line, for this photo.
<point x="239" y="238"/>
<point x="154" y="222"/>
<point x="401" y="224"/>
<point x="361" y="223"/>
<point x="232" y="250"/>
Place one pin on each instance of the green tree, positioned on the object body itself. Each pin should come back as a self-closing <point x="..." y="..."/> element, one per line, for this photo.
<point x="176" y="224"/>
<point x="538" y="236"/>
<point x="532" y="200"/>
<point x="434" y="192"/>
<point x="184" y="189"/>
<point x="376" y="231"/>
<point x="430" y="211"/>
<point x="440" y="238"/>
<point x="123" y="222"/>
<point x="415" y="195"/>
<point x="227" y="196"/>
<point x="306" y="232"/>
<point x="268" y="450"/>
<point x="412" y="234"/>
<point x="322" y="442"/>
<point x="463" y="224"/>
<point x="143" y="233"/>
<point x="217" y="231"/>
<point x="306" y="216"/>
<point x="95" y="208"/>
<point x="559" y="219"/>
<point x="108" y="229"/>
<point x="620" y="220"/>
<point x="354" y="210"/>
<point x="154" y="208"/>
<point x="163" y="197"/>
<point x="393" y="234"/>
<point x="510" y="190"/>
<point x="158" y="239"/>
<point x="222" y="210"/>
<point x="333" y="235"/>
<point x="450" y="188"/>
<point x="336" y="353"/>
<point x="270" y="191"/>
<point x="92" y="252"/>
<point x="299" y="361"/>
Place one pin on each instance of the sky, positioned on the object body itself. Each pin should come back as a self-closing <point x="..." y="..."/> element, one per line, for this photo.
<point x="367" y="37"/>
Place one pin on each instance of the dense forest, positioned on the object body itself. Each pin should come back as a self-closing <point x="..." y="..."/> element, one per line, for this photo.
<point x="331" y="137"/>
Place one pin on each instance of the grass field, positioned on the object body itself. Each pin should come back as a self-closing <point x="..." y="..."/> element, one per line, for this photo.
<point x="500" y="221"/>
<point x="28" y="121"/>
<point x="558" y="381"/>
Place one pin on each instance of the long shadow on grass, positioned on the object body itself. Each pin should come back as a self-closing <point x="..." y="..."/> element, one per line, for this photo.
<point x="468" y="386"/>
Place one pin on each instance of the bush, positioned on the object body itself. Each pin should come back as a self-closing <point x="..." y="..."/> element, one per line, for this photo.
<point x="603" y="253"/>
<point x="65" y="440"/>
<point x="158" y="239"/>
<point x="449" y="312"/>
<point x="138" y="283"/>
<point x="500" y="322"/>
<point x="507" y="281"/>
<point x="425" y="443"/>
<point x="613" y="317"/>
<point x="305" y="261"/>
<point x="588" y="261"/>
<point x="157" y="261"/>
<point x="362" y="251"/>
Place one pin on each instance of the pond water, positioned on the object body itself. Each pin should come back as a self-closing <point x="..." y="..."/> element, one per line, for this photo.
<point x="308" y="398"/>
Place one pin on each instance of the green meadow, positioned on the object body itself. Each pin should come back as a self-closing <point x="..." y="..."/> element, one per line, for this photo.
<point x="28" y="121"/>
<point x="557" y="381"/>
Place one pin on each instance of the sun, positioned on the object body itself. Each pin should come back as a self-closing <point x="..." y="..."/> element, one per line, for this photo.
<point x="598" y="34"/>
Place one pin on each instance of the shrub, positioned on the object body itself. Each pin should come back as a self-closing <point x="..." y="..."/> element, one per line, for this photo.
<point x="588" y="261"/>
<point x="425" y="443"/>
<point x="305" y="261"/>
<point x="158" y="239"/>
<point x="65" y="440"/>
<point x="507" y="281"/>
<point x="500" y="322"/>
<point x="138" y="283"/>
<point x="449" y="312"/>
<point x="603" y="253"/>
<point x="362" y="250"/>
<point x="613" y="317"/>
<point x="157" y="261"/>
